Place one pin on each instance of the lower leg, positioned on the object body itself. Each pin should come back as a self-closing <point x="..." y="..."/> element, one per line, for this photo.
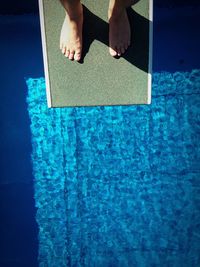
<point x="70" y="6"/>
<point x="71" y="32"/>
<point x="121" y="3"/>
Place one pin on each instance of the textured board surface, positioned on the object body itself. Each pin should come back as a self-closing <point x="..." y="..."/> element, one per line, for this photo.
<point x="99" y="79"/>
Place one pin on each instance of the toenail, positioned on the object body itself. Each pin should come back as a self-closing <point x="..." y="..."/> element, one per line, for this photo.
<point x="71" y="56"/>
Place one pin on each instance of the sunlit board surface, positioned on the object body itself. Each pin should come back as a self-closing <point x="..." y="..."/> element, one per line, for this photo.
<point x="98" y="79"/>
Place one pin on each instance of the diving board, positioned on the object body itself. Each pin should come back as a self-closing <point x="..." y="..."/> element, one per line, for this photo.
<point x="99" y="79"/>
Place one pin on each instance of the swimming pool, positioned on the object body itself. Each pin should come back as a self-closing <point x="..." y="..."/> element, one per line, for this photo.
<point x="119" y="186"/>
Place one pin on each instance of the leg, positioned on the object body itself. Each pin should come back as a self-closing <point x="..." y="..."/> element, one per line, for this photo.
<point x="71" y="32"/>
<point x="119" y="27"/>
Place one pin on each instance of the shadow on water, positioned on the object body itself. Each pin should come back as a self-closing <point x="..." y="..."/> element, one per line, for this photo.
<point x="94" y="28"/>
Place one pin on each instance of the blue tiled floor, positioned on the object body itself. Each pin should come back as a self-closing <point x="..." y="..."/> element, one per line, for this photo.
<point x="119" y="186"/>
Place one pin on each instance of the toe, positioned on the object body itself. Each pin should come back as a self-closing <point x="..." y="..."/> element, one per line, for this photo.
<point x="113" y="52"/>
<point x="119" y="51"/>
<point x="71" y="55"/>
<point x="63" y="49"/>
<point x="122" y="49"/>
<point x="67" y="53"/>
<point x="77" y="55"/>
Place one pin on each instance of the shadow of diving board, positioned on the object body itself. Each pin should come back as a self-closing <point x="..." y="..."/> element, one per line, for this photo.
<point x="98" y="79"/>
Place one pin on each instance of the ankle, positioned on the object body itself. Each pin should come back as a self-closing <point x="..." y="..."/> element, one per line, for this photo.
<point x="115" y="9"/>
<point x="74" y="11"/>
<point x="116" y="14"/>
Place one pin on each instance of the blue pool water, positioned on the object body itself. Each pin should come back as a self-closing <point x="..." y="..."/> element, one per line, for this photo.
<point x="119" y="186"/>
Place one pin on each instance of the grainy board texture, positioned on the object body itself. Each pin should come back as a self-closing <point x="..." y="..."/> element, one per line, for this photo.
<point x="99" y="79"/>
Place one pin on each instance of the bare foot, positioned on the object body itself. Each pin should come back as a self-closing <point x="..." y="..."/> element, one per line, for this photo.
<point x="71" y="34"/>
<point x="119" y="30"/>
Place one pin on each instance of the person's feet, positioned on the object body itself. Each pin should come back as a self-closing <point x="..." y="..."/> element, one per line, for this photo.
<point x="119" y="29"/>
<point x="71" y="33"/>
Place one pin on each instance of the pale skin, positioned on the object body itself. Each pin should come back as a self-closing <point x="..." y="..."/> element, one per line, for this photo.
<point x="71" y="32"/>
